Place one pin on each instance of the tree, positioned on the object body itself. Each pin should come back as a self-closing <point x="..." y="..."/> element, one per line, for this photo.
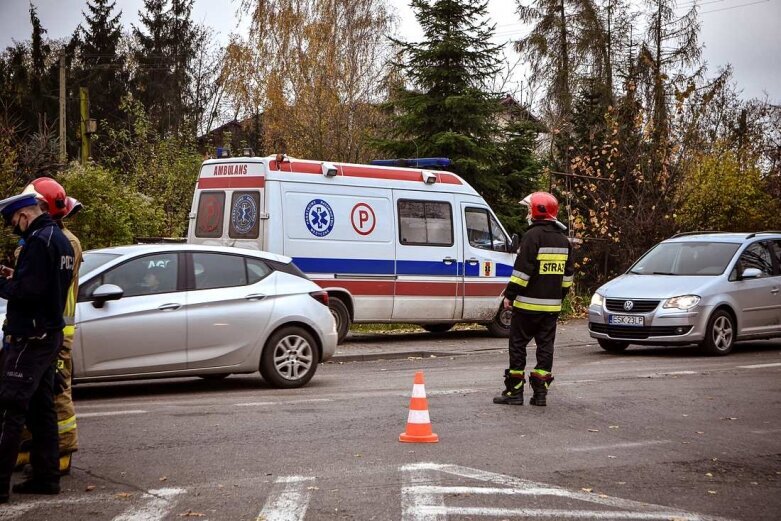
<point x="102" y="64"/>
<point x="447" y="110"/>
<point x="312" y="69"/>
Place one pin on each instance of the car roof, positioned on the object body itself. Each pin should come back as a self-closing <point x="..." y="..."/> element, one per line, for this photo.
<point x="735" y="238"/>
<point x="141" y="249"/>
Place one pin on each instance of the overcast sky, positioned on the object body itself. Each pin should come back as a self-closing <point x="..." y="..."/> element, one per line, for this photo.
<point x="744" y="33"/>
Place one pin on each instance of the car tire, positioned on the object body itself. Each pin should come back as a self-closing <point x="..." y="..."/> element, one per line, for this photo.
<point x="612" y="346"/>
<point x="215" y="377"/>
<point x="500" y="325"/>
<point x="289" y="358"/>
<point x="438" y="328"/>
<point x="720" y="334"/>
<point x="342" y="317"/>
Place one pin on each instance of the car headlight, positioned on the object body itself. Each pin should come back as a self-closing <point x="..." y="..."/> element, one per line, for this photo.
<point x="684" y="302"/>
<point x="597" y="300"/>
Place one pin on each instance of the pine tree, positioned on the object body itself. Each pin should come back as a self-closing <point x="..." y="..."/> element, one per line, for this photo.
<point x="448" y="111"/>
<point x="102" y="64"/>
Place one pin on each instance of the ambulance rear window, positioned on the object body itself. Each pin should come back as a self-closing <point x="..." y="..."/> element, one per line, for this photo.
<point x="211" y="208"/>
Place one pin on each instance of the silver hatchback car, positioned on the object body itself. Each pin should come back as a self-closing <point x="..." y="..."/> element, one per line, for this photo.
<point x="711" y="289"/>
<point x="155" y="311"/>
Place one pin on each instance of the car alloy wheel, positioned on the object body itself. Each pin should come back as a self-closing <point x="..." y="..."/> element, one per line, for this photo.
<point x="722" y="333"/>
<point x="290" y="358"/>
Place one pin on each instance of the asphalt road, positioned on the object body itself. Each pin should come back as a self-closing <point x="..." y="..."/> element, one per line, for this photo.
<point x="655" y="433"/>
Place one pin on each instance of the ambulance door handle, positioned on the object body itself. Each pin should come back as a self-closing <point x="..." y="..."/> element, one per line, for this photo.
<point x="448" y="260"/>
<point x="255" y="296"/>
<point x="472" y="261"/>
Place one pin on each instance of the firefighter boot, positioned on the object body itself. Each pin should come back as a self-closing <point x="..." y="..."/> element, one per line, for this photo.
<point x="65" y="463"/>
<point x="540" y="383"/>
<point x="513" y="392"/>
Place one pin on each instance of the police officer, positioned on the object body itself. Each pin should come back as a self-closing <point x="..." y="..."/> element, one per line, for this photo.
<point x="541" y="277"/>
<point x="53" y="199"/>
<point x="36" y="294"/>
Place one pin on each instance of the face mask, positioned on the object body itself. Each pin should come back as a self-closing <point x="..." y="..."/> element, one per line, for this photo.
<point x="18" y="227"/>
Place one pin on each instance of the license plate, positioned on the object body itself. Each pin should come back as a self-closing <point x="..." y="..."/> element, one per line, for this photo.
<point x="626" y="320"/>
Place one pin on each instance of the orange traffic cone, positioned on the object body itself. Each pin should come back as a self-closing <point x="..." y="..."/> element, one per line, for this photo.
<point x="418" y="422"/>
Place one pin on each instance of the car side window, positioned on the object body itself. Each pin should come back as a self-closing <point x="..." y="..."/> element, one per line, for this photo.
<point x="425" y="223"/>
<point x="777" y="253"/>
<point x="217" y="270"/>
<point x="257" y="270"/>
<point x="756" y="256"/>
<point x="147" y="275"/>
<point x="483" y="231"/>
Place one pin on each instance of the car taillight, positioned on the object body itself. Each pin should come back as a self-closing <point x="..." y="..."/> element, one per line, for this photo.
<point x="320" y="296"/>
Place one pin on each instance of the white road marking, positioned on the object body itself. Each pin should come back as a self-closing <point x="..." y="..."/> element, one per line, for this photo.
<point x="108" y="413"/>
<point x="759" y="366"/>
<point x="626" y="445"/>
<point x="157" y="504"/>
<point x="415" y="500"/>
<point x="15" y="510"/>
<point x="289" y="402"/>
<point x="425" y="501"/>
<point x="766" y="431"/>
<point x="288" y="500"/>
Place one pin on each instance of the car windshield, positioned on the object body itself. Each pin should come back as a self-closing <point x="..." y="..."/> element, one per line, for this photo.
<point x="92" y="261"/>
<point x="686" y="258"/>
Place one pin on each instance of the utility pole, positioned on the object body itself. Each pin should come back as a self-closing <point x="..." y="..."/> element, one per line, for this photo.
<point x="85" y="131"/>
<point x="63" y="153"/>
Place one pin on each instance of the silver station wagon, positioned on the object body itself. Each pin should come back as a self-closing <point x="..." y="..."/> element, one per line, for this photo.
<point x="711" y="289"/>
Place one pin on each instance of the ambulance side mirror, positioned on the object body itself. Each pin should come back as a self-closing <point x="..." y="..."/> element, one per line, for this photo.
<point x="104" y="293"/>
<point x="515" y="241"/>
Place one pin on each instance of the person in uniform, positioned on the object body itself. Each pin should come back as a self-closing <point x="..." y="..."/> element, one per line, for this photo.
<point x="36" y="293"/>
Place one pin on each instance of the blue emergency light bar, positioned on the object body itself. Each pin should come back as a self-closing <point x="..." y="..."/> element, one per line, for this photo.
<point x="419" y="162"/>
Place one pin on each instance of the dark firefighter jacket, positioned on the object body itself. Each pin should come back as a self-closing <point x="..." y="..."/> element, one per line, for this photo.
<point x="37" y="291"/>
<point x="543" y="270"/>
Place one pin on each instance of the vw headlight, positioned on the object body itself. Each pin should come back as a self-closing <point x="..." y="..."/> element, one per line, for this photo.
<point x="684" y="302"/>
<point x="597" y="300"/>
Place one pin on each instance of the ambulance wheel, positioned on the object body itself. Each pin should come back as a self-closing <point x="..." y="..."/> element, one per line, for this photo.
<point x="500" y="325"/>
<point x="342" y="317"/>
<point x="289" y="358"/>
<point x="437" y="328"/>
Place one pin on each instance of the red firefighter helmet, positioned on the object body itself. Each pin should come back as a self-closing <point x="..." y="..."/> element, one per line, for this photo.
<point x="542" y="206"/>
<point x="50" y="191"/>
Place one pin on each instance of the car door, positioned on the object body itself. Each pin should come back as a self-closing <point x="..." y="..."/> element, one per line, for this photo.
<point x="486" y="262"/>
<point x="228" y="307"/>
<point x="145" y="330"/>
<point x="428" y="257"/>
<point x="760" y="306"/>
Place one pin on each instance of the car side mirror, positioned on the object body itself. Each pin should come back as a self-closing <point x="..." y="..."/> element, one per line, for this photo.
<point x="750" y="273"/>
<point x="515" y="241"/>
<point x="106" y="292"/>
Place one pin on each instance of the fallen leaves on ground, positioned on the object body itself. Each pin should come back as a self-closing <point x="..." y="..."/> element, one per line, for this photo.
<point x="190" y="513"/>
<point x="593" y="430"/>
<point x="90" y="488"/>
<point x="123" y="495"/>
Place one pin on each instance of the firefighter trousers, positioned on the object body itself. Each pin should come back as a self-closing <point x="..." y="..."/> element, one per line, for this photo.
<point x="27" y="396"/>
<point x="542" y="328"/>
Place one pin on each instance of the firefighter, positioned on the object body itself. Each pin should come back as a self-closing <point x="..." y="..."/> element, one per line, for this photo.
<point x="53" y="199"/>
<point x="36" y="294"/>
<point x="541" y="278"/>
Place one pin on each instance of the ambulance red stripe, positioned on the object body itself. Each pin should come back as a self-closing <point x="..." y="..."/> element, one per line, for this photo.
<point x="366" y="172"/>
<point x="206" y="183"/>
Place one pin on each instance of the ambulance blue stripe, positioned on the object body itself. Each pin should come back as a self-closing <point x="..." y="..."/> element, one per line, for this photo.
<point x="386" y="267"/>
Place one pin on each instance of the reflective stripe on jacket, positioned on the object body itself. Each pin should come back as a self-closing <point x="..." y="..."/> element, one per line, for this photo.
<point x="543" y="271"/>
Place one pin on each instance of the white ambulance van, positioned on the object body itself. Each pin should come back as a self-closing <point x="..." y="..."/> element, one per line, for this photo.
<point x="388" y="244"/>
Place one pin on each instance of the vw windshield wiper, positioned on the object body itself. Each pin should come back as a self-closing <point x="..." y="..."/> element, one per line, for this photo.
<point x="662" y="273"/>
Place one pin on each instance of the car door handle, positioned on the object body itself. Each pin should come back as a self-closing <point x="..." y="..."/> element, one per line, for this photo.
<point x="255" y="296"/>
<point x="472" y="261"/>
<point x="774" y="291"/>
<point x="169" y="307"/>
<point x="448" y="260"/>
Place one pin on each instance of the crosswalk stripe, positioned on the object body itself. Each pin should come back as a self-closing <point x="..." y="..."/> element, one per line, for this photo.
<point x="288" y="500"/>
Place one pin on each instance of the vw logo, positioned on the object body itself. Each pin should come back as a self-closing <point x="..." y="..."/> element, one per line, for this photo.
<point x="628" y="305"/>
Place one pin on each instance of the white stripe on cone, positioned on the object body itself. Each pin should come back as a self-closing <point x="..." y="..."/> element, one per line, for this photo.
<point x="418" y="417"/>
<point x="418" y="391"/>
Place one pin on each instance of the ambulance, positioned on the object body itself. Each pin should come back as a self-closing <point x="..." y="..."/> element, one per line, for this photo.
<point x="388" y="243"/>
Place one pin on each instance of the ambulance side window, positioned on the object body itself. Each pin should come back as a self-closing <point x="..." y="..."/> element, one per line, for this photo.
<point x="425" y="223"/>
<point x="483" y="231"/>
<point x="208" y="222"/>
